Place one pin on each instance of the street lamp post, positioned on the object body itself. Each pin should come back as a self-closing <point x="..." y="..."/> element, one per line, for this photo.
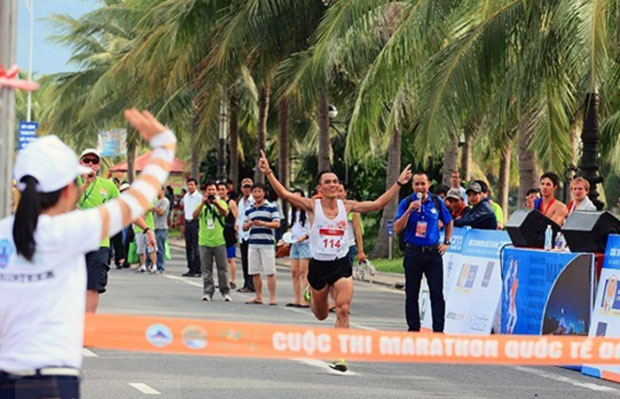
<point x="8" y="25"/>
<point x="221" y="149"/>
<point x="589" y="163"/>
<point x="30" y="6"/>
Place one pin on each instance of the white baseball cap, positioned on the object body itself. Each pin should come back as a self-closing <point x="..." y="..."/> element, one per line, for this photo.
<point x="90" y="151"/>
<point x="51" y="162"/>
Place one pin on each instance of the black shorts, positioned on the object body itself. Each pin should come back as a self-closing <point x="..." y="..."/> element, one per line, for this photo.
<point x="97" y="269"/>
<point x="40" y="386"/>
<point x="327" y="272"/>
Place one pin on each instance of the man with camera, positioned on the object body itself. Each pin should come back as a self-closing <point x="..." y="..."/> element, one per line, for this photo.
<point x="211" y="213"/>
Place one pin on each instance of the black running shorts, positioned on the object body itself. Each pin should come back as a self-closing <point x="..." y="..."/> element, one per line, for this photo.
<point x="97" y="269"/>
<point x="327" y="272"/>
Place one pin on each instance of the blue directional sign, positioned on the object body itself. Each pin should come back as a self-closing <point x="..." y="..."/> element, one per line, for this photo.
<point x="27" y="133"/>
<point x="390" y="228"/>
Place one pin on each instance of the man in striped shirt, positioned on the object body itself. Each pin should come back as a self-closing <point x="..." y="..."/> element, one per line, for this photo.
<point x="260" y="219"/>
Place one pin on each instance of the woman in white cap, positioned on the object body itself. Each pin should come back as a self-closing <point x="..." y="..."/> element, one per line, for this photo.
<point x="42" y="269"/>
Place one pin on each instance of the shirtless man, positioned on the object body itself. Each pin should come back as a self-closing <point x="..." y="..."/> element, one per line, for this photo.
<point x="548" y="205"/>
<point x="329" y="266"/>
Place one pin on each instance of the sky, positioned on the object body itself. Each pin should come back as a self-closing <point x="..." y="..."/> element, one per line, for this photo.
<point x="48" y="57"/>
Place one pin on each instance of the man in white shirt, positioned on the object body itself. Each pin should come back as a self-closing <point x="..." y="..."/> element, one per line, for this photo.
<point x="191" y="200"/>
<point x="245" y="201"/>
<point x="455" y="182"/>
<point x="579" y="190"/>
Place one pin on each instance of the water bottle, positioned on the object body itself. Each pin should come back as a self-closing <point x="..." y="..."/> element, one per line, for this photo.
<point x="559" y="242"/>
<point x="548" y="238"/>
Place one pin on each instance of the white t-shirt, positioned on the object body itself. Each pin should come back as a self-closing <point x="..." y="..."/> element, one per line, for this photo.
<point x="243" y="206"/>
<point x="298" y="229"/>
<point x="190" y="203"/>
<point x="42" y="302"/>
<point x="327" y="236"/>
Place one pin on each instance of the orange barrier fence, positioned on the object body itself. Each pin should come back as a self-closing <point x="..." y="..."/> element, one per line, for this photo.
<point x="235" y="339"/>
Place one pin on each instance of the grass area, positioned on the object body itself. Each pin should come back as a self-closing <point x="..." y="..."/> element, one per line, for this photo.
<point x="174" y="233"/>
<point x="389" y="265"/>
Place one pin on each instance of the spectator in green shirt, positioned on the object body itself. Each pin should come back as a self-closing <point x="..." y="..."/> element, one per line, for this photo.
<point x="95" y="191"/>
<point x="211" y="213"/>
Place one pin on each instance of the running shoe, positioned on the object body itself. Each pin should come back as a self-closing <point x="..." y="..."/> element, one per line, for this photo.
<point x="372" y="270"/>
<point x="307" y="295"/>
<point x="153" y="269"/>
<point x="142" y="269"/>
<point x="227" y="298"/>
<point x="339" y="365"/>
<point x="207" y="298"/>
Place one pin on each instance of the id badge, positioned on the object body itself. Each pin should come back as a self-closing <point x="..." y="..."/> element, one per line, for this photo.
<point x="420" y="229"/>
<point x="210" y="224"/>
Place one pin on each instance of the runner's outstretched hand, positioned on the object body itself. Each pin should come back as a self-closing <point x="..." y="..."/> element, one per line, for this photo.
<point x="263" y="163"/>
<point x="144" y="122"/>
<point x="405" y="175"/>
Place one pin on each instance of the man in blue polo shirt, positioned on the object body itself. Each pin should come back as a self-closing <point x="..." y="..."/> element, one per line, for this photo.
<point x="418" y="215"/>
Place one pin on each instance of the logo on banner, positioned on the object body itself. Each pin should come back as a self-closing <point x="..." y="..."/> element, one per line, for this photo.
<point x="611" y="296"/>
<point x="6" y="250"/>
<point x="159" y="335"/>
<point x="194" y="337"/>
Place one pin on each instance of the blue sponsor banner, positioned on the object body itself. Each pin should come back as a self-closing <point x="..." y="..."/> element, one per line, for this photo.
<point x="546" y="292"/>
<point x="458" y="238"/>
<point x="606" y="310"/>
<point x="485" y="243"/>
<point x="27" y="133"/>
<point x="612" y="253"/>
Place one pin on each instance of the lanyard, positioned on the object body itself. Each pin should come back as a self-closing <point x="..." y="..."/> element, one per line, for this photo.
<point x="85" y="196"/>
<point x="543" y="210"/>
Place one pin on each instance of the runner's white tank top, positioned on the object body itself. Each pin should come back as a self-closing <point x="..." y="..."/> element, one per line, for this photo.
<point x="327" y="236"/>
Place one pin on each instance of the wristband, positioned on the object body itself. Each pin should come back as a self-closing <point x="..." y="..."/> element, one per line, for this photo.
<point x="446" y="242"/>
<point x="145" y="230"/>
<point x="399" y="183"/>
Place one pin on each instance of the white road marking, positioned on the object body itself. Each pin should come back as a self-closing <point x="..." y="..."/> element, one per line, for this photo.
<point x="560" y="378"/>
<point x="185" y="280"/>
<point x="145" y="389"/>
<point x="325" y="366"/>
<point x="88" y="353"/>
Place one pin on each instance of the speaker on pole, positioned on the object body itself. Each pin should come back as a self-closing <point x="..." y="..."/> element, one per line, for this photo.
<point x="526" y="228"/>
<point x="587" y="231"/>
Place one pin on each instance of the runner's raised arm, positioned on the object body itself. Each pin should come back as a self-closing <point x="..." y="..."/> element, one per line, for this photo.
<point x="137" y="199"/>
<point x="299" y="202"/>
<point x="384" y="199"/>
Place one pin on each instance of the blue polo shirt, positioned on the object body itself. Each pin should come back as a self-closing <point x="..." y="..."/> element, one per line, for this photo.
<point x="429" y="214"/>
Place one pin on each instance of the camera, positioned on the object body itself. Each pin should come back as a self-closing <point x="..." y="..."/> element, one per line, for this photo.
<point x="211" y="198"/>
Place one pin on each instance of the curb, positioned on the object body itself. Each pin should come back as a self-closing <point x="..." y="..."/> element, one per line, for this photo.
<point x="400" y="285"/>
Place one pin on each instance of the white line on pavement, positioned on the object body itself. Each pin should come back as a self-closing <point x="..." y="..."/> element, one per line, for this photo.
<point x="185" y="280"/>
<point x="560" y="378"/>
<point x="88" y="353"/>
<point x="145" y="389"/>
<point x="323" y="365"/>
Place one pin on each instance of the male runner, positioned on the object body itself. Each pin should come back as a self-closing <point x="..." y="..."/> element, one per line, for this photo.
<point x="329" y="266"/>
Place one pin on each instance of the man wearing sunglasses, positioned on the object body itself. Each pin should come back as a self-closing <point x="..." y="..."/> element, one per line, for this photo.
<point x="96" y="191"/>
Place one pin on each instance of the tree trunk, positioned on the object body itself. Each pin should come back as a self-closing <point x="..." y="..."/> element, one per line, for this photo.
<point x="131" y="157"/>
<point x="324" y="143"/>
<point x="381" y="249"/>
<point x="574" y="141"/>
<point x="233" y="134"/>
<point x="528" y="176"/>
<point x="504" y="178"/>
<point x="283" y="151"/>
<point x="466" y="155"/>
<point x="450" y="160"/>
<point x="263" y="113"/>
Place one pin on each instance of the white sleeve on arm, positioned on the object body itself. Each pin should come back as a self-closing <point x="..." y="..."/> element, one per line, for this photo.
<point x="132" y="203"/>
